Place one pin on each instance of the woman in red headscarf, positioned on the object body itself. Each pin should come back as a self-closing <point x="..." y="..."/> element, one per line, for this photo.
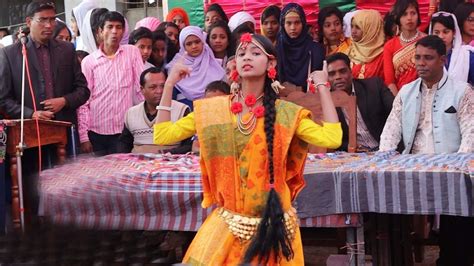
<point x="179" y="17"/>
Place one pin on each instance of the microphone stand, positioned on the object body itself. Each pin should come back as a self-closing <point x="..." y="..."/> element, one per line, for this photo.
<point x="73" y="141"/>
<point x="21" y="145"/>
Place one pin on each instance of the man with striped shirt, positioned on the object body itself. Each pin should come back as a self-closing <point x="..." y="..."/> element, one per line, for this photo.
<point x="113" y="74"/>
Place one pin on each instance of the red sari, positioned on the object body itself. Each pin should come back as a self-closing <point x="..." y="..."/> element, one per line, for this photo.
<point x="399" y="62"/>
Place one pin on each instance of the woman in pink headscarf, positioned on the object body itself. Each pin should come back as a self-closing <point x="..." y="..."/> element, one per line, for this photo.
<point x="126" y="33"/>
<point x="196" y="54"/>
<point x="150" y="23"/>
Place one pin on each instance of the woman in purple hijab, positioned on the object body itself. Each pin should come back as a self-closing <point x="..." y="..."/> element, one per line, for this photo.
<point x="200" y="58"/>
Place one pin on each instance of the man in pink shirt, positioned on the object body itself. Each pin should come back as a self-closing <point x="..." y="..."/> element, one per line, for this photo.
<point x="113" y="75"/>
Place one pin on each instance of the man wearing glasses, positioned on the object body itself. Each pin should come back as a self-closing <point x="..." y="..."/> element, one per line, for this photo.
<point x="58" y="83"/>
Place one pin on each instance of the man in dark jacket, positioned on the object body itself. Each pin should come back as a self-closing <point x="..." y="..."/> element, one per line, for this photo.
<point x="58" y="84"/>
<point x="374" y="103"/>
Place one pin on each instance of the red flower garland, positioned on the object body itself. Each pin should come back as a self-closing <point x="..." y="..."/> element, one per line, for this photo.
<point x="236" y="108"/>
<point x="259" y="111"/>
<point x="250" y="100"/>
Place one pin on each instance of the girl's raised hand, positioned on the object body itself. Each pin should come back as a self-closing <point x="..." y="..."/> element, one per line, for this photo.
<point x="179" y="71"/>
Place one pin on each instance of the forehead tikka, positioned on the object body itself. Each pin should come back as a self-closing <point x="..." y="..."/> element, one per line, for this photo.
<point x="246" y="39"/>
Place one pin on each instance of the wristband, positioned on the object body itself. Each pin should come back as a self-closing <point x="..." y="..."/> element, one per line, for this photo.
<point x="164" y="108"/>
<point x="326" y="84"/>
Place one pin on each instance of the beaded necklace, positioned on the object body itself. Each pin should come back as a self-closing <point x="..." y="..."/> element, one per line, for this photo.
<point x="246" y="127"/>
<point x="409" y="40"/>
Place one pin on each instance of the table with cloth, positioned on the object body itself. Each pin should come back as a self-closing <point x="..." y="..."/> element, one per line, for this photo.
<point x="136" y="192"/>
<point x="163" y="192"/>
<point x="388" y="183"/>
<point x="384" y="184"/>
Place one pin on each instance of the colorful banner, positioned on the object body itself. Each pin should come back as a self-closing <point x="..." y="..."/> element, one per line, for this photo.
<point x="255" y="8"/>
<point x="195" y="8"/>
<point x="312" y="7"/>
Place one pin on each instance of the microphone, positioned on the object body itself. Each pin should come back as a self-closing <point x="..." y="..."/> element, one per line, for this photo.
<point x="23" y="34"/>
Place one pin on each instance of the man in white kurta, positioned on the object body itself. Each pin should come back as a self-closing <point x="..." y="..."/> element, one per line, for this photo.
<point x="434" y="114"/>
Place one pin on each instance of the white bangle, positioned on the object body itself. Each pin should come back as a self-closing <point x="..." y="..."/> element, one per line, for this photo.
<point x="164" y="108"/>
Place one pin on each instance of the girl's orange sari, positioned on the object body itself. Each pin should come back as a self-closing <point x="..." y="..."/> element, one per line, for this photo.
<point x="235" y="176"/>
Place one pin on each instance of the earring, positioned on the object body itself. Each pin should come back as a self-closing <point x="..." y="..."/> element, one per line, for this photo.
<point x="271" y="73"/>
<point x="276" y="86"/>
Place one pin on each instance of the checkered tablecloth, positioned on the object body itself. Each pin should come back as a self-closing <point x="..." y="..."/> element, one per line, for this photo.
<point x="145" y="192"/>
<point x="388" y="183"/>
<point x="163" y="192"/>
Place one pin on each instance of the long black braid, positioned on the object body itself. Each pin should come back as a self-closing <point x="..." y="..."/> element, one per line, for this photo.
<point x="271" y="237"/>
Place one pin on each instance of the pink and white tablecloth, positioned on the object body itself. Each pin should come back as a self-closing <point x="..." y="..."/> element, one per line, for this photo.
<point x="136" y="192"/>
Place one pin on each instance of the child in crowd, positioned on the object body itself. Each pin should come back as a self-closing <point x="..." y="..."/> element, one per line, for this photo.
<point x="143" y="40"/>
<point x="204" y="68"/>
<point x="220" y="40"/>
<point x="171" y="30"/>
<point x="213" y="14"/>
<point x="217" y="88"/>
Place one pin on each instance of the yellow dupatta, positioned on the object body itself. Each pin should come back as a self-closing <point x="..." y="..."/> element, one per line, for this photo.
<point x="343" y="47"/>
<point x="371" y="44"/>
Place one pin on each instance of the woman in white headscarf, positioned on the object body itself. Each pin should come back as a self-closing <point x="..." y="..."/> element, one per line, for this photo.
<point x="78" y="15"/>
<point x="240" y="18"/>
<point x="87" y="34"/>
<point x="347" y="28"/>
<point x="460" y="63"/>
